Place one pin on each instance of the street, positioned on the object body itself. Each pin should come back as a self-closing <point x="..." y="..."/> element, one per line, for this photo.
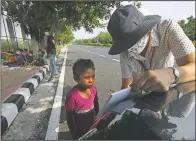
<point x="14" y="78"/>
<point x="33" y="120"/>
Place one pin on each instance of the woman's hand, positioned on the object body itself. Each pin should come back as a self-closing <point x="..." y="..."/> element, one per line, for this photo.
<point x="158" y="80"/>
<point x="157" y="101"/>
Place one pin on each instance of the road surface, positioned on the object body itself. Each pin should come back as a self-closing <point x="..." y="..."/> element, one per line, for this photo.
<point x="33" y="120"/>
<point x="13" y="78"/>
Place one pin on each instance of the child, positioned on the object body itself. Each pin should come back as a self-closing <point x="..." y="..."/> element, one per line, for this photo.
<point x="20" y="59"/>
<point x="41" y="61"/>
<point x="82" y="101"/>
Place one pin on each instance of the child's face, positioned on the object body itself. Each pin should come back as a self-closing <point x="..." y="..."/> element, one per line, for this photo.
<point x="87" y="78"/>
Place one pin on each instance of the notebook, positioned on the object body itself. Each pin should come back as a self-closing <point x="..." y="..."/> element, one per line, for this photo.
<point x="117" y="102"/>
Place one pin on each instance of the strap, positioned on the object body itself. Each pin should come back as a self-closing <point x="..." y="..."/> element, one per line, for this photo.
<point x="149" y="48"/>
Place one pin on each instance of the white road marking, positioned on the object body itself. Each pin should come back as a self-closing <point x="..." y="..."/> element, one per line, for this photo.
<point x="100" y="55"/>
<point x="56" y="109"/>
<point x="116" y="60"/>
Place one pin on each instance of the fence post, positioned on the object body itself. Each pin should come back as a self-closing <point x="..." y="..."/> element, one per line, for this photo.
<point x="15" y="32"/>
<point x="6" y="33"/>
<point x="11" y="32"/>
<point x="24" y="36"/>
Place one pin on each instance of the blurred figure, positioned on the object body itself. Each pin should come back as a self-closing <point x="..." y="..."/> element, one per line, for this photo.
<point x="51" y="51"/>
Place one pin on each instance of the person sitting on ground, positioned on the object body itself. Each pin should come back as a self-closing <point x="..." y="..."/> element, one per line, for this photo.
<point x="29" y="55"/>
<point x="41" y="61"/>
<point x="44" y="56"/>
<point x="25" y="52"/>
<point x="82" y="101"/>
<point x="20" y="60"/>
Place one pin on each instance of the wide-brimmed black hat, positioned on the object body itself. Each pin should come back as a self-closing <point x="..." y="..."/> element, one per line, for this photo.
<point x="127" y="26"/>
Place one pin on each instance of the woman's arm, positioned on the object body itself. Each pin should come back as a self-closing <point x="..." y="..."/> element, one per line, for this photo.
<point x="160" y="80"/>
<point x="157" y="101"/>
<point x="126" y="73"/>
<point x="183" y="51"/>
<point x="187" y="68"/>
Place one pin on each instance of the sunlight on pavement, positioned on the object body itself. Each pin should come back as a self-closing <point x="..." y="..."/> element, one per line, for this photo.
<point x="46" y="99"/>
<point x="36" y="110"/>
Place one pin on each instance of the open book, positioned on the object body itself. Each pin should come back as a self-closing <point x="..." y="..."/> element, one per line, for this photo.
<point x="117" y="102"/>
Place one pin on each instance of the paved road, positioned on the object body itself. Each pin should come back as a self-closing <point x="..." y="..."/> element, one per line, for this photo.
<point x="13" y="78"/>
<point x="33" y="120"/>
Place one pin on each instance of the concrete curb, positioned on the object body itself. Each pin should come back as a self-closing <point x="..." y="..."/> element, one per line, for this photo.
<point x="13" y="104"/>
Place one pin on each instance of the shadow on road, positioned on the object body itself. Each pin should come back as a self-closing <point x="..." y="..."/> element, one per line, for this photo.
<point x="64" y="133"/>
<point x="70" y="52"/>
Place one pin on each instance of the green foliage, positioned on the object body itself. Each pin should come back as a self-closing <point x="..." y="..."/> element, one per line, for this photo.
<point x="6" y="45"/>
<point x="20" y="44"/>
<point x="189" y="26"/>
<point x="58" y="49"/>
<point x="36" y="15"/>
<point x="65" y="36"/>
<point x="104" y="38"/>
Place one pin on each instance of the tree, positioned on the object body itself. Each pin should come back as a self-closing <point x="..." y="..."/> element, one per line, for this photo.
<point x="65" y="36"/>
<point x="189" y="26"/>
<point x="36" y="15"/>
<point x="104" y="38"/>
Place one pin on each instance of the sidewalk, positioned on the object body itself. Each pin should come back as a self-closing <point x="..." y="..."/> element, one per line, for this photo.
<point x="12" y="79"/>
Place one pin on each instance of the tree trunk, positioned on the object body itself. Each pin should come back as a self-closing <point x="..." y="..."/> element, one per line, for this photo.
<point x="42" y="44"/>
<point x="34" y="45"/>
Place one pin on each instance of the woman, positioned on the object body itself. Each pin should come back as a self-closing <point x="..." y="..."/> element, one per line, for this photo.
<point x="149" y="47"/>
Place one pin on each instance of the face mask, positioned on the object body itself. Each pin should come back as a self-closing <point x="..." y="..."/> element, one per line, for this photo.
<point x="136" y="49"/>
<point x="18" y="52"/>
<point x="46" y="33"/>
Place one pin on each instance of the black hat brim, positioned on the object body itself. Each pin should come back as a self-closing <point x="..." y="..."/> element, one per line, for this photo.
<point x="123" y="43"/>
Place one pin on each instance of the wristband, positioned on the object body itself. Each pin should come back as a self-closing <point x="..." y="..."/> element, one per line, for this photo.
<point x="180" y="94"/>
<point x="176" y="74"/>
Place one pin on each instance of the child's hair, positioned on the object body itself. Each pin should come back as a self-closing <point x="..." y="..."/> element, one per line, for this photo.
<point x="18" y="49"/>
<point x="80" y="66"/>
